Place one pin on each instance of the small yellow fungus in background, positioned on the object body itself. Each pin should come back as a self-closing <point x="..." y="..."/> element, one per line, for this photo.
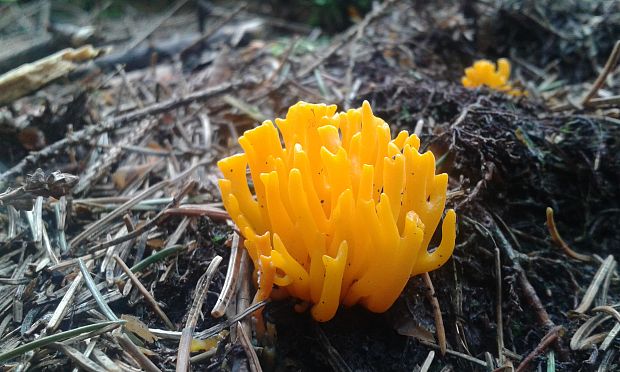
<point x="485" y="73"/>
<point x="343" y="213"/>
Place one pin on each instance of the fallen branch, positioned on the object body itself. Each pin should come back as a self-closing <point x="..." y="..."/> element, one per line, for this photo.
<point x="112" y="124"/>
<point x="551" y="337"/>
<point x="610" y="65"/>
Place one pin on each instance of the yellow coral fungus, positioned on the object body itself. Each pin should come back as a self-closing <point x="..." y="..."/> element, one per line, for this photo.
<point x="485" y="72"/>
<point x="343" y="213"/>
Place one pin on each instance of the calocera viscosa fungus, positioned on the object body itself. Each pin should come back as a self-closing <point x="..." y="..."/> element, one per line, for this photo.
<point x="486" y="73"/>
<point x="343" y="212"/>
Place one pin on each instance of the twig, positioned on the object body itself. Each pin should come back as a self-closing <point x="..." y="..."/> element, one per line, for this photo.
<point x="611" y="63"/>
<point x="144" y="227"/>
<point x="155" y="25"/>
<point x="215" y="28"/>
<point x="203" y="356"/>
<point x="551" y="337"/>
<point x="147" y="296"/>
<point x="244" y="298"/>
<point x="91" y="231"/>
<point x="101" y="166"/>
<point x="528" y="290"/>
<point x="370" y="17"/>
<point x="441" y="333"/>
<point x="93" y="130"/>
<point x="232" y="277"/>
<point x="557" y="239"/>
<point x="283" y="61"/>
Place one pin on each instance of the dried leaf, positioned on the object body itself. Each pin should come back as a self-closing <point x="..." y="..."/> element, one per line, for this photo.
<point x="135" y="326"/>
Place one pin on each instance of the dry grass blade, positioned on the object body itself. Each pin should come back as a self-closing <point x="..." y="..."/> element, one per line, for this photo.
<point x="579" y="341"/>
<point x="607" y="364"/>
<point x="135" y="352"/>
<point x="595" y="285"/>
<point x="608" y="310"/>
<point x="199" y="210"/>
<point x="48" y="246"/>
<point x="105" y="361"/>
<point x="92" y="286"/>
<point x="498" y="307"/>
<point x="188" y="187"/>
<point x="246" y="343"/>
<point x="428" y="361"/>
<point x="44" y="341"/>
<point x="77" y="357"/>
<point x="178" y="233"/>
<point x="232" y="277"/>
<point x="185" y="344"/>
<point x="229" y="322"/>
<point x="74" y="261"/>
<point x="63" y="306"/>
<point x="101" y="224"/>
<point x="611" y="336"/>
<point x="192" y="319"/>
<point x="203" y="356"/>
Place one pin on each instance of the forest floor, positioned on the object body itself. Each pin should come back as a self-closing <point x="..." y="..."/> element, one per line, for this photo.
<point x="109" y="170"/>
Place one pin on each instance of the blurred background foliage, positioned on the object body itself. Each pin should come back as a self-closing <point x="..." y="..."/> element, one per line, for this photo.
<point x="330" y="15"/>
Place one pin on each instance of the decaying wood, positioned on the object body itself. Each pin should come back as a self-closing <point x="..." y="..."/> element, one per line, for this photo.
<point x="28" y="78"/>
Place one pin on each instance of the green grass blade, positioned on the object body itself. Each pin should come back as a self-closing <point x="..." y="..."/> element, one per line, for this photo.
<point x="44" y="341"/>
